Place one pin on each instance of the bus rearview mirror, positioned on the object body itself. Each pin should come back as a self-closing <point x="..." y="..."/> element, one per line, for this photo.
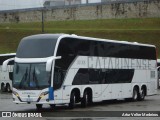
<point x="50" y="61"/>
<point x="48" y="65"/>
<point x="5" y="64"/>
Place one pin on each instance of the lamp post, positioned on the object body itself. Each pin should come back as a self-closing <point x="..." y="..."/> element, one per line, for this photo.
<point x="45" y="5"/>
<point x="42" y="20"/>
<point x="87" y="1"/>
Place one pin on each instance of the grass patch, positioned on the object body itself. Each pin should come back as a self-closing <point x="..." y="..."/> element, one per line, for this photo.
<point x="146" y="30"/>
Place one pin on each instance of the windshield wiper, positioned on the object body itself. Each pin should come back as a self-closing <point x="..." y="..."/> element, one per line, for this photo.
<point x="35" y="78"/>
<point x="24" y="78"/>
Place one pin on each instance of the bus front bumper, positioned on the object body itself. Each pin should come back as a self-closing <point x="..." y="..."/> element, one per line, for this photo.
<point x="35" y="100"/>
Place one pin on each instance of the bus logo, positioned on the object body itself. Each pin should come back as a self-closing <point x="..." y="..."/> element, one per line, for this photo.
<point x="6" y="114"/>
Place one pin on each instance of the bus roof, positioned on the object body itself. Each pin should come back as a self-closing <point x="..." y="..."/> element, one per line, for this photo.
<point x="41" y="36"/>
<point x="114" y="41"/>
<point x="62" y="35"/>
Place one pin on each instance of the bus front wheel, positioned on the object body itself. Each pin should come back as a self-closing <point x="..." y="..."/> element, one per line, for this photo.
<point x="39" y="106"/>
<point x="52" y="106"/>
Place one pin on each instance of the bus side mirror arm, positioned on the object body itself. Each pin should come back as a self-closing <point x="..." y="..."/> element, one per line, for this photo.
<point x="50" y="61"/>
<point x="5" y="64"/>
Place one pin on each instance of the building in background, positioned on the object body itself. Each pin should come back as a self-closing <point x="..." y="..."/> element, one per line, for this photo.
<point x="90" y="1"/>
<point x="49" y="3"/>
<point x="20" y="4"/>
<point x="72" y="2"/>
<point x="25" y="4"/>
<point x="112" y="0"/>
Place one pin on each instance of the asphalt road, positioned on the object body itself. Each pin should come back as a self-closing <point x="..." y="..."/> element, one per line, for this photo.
<point x="150" y="104"/>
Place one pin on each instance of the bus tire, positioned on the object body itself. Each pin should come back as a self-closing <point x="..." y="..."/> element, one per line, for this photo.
<point x="8" y="88"/>
<point x="142" y="94"/>
<point x="3" y="88"/>
<point x="52" y="106"/>
<point x="39" y="106"/>
<point x="72" y="100"/>
<point x="135" y="94"/>
<point x="85" y="99"/>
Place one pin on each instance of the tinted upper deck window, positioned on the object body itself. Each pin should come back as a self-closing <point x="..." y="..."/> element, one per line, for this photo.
<point x="36" y="47"/>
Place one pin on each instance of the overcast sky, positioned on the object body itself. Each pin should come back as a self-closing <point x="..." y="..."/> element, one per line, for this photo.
<point x="21" y="4"/>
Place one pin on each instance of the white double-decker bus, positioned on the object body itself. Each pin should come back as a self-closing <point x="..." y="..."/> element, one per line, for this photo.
<point x="6" y="75"/>
<point x="68" y="69"/>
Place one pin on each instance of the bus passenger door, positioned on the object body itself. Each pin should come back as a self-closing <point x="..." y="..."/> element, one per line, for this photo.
<point x="57" y="83"/>
<point x="58" y="96"/>
<point x="67" y="85"/>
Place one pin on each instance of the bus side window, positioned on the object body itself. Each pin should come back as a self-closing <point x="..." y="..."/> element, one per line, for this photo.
<point x="11" y="76"/>
<point x="94" y="76"/>
<point x="58" y="78"/>
<point x="158" y="73"/>
<point x="102" y="75"/>
<point x="81" y="78"/>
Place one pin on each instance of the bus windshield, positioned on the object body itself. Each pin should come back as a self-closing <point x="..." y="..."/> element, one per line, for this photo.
<point x="30" y="76"/>
<point x="36" y="47"/>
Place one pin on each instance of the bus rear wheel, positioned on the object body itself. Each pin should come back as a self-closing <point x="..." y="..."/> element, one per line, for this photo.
<point x="142" y="95"/>
<point x="85" y="100"/>
<point x="135" y="94"/>
<point x="72" y="100"/>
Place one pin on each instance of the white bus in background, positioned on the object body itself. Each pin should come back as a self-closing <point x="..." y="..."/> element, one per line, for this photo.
<point x="68" y="69"/>
<point x="158" y="62"/>
<point x="158" y="69"/>
<point x="6" y="76"/>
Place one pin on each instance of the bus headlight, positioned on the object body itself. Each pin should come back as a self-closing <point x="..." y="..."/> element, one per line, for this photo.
<point x="43" y="94"/>
<point x="15" y="93"/>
